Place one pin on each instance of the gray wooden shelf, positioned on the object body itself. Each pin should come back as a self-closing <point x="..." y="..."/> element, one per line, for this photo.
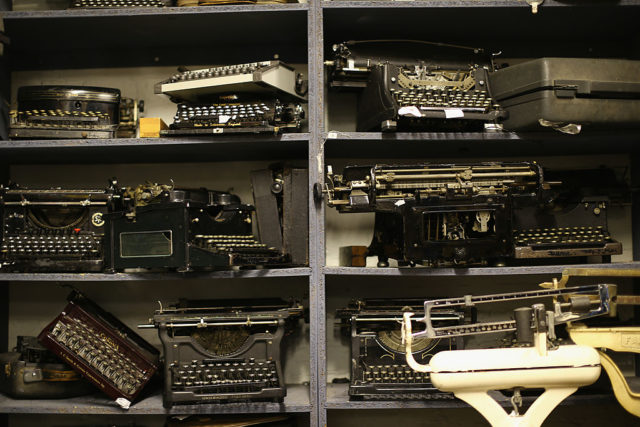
<point x="338" y="398"/>
<point x="136" y="150"/>
<point x="351" y="4"/>
<point x="150" y="11"/>
<point x="475" y="144"/>
<point x="128" y="277"/>
<point x="155" y="36"/>
<point x="465" y="272"/>
<point x="297" y="400"/>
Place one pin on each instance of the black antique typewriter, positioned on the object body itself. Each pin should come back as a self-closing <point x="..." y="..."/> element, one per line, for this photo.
<point x="253" y="97"/>
<point x="101" y="348"/>
<point x="169" y="228"/>
<point x="465" y="214"/>
<point x="224" y="350"/>
<point x="33" y="372"/>
<point x="65" y="112"/>
<point x="378" y="365"/>
<point x="416" y="85"/>
<point x="53" y="229"/>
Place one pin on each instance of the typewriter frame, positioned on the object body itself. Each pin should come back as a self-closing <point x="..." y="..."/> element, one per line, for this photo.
<point x="238" y="313"/>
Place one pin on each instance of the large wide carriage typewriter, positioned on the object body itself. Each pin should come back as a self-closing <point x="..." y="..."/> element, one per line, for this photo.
<point x="184" y="229"/>
<point x="378" y="365"/>
<point x="101" y="348"/>
<point x="254" y="97"/>
<point x="224" y="350"/>
<point x="53" y="229"/>
<point x="65" y="112"/>
<point x="416" y="85"/>
<point x="33" y="372"/>
<point x="464" y="214"/>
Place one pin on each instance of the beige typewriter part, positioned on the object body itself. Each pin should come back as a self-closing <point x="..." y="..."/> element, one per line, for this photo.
<point x="534" y="363"/>
<point x="255" y="78"/>
<point x="622" y="339"/>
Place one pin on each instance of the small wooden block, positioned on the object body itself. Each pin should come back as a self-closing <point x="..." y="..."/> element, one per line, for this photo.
<point x="353" y="256"/>
<point x="150" y="127"/>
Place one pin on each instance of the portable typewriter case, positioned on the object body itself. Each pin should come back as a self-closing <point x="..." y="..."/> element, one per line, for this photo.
<point x="164" y="227"/>
<point x="33" y="372"/>
<point x="378" y="366"/>
<point x="561" y="91"/>
<point x="53" y="229"/>
<point x="224" y="350"/>
<point x="101" y="348"/>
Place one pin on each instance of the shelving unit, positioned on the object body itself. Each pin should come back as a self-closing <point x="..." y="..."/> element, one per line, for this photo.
<point x="303" y="33"/>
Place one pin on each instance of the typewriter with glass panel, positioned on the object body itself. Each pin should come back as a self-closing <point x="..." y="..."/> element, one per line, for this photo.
<point x="416" y="85"/>
<point x="378" y="365"/>
<point x="65" y="112"/>
<point x="53" y="229"/>
<point x="224" y="350"/>
<point x="163" y="227"/>
<point x="472" y="214"/>
<point x="101" y="348"/>
<point x="254" y="97"/>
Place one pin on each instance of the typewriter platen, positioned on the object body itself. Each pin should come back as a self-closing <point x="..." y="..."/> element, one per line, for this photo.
<point x="461" y="214"/>
<point x="53" y="229"/>
<point x="253" y="97"/>
<point x="65" y="112"/>
<point x="33" y="372"/>
<point x="165" y="227"/>
<point x="378" y="365"/>
<point x="416" y="85"/>
<point x="101" y="348"/>
<point x="224" y="350"/>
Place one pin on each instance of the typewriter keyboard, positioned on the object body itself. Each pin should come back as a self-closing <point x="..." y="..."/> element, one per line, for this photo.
<point x="100" y="352"/>
<point x="562" y="236"/>
<point x="60" y="118"/>
<point x="393" y="374"/>
<point x="219" y="114"/>
<point x="82" y="245"/>
<point x="226" y="376"/>
<point x="116" y="3"/>
<point x="229" y="243"/>
<point x="226" y="70"/>
<point x="435" y="99"/>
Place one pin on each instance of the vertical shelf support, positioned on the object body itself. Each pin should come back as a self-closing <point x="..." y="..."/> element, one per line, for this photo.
<point x="316" y="215"/>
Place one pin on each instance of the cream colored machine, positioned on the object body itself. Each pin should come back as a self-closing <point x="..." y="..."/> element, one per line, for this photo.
<point x="534" y="362"/>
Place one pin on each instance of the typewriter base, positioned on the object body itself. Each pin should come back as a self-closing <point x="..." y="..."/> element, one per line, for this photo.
<point x="50" y="265"/>
<point x="23" y="133"/>
<point x="187" y="398"/>
<point x="397" y="392"/>
<point x="227" y="130"/>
